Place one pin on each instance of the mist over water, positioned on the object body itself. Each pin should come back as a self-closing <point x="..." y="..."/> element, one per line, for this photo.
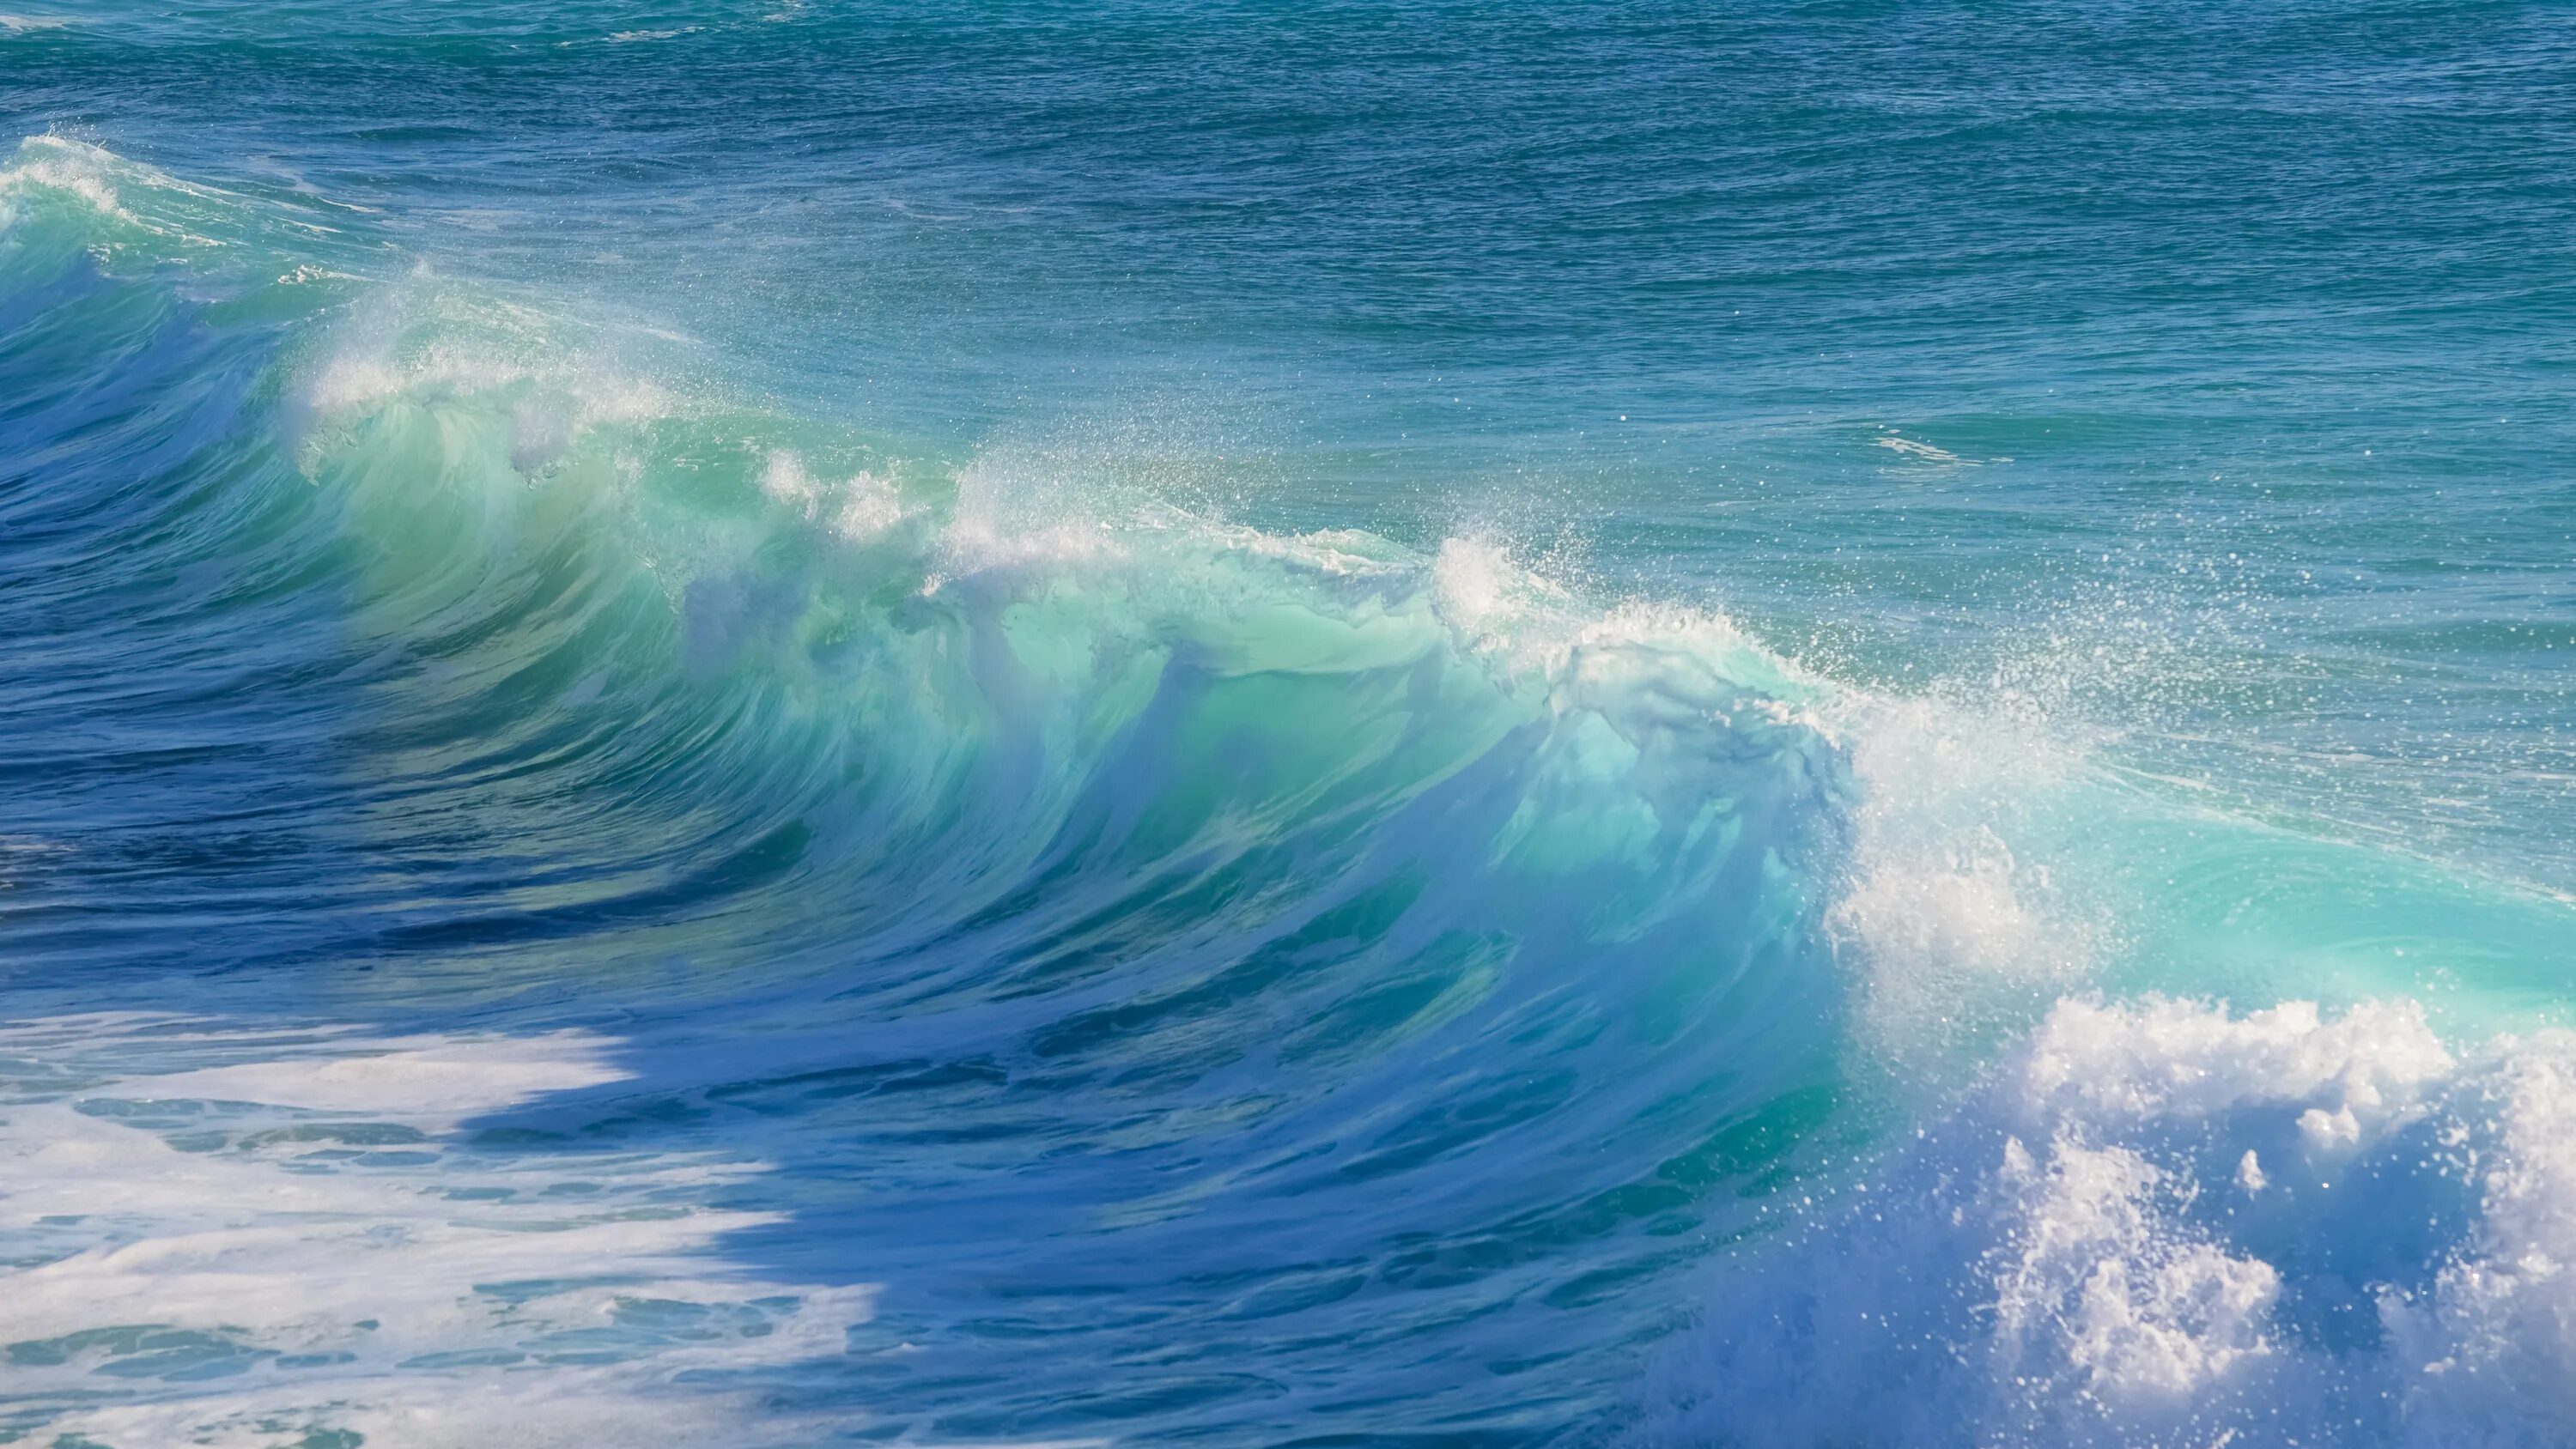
<point x="793" y="724"/>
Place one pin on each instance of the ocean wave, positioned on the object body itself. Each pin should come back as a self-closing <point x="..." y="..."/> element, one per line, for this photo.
<point x="1390" y="946"/>
<point x="1316" y="868"/>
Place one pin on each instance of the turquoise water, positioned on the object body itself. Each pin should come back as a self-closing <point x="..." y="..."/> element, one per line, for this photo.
<point x="790" y="724"/>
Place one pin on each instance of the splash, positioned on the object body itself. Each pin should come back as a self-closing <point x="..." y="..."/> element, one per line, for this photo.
<point x="2160" y="1223"/>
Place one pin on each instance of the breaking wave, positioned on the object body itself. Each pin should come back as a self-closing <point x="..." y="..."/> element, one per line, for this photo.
<point x="614" y="901"/>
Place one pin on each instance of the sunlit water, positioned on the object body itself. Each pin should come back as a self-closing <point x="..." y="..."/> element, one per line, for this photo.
<point x="801" y="724"/>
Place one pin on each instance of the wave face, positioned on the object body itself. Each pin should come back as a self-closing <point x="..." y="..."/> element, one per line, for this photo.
<point x="843" y="844"/>
<point x="1048" y="896"/>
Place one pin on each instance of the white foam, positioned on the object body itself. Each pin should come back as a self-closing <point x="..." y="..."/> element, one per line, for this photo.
<point x="59" y="164"/>
<point x="2160" y="1223"/>
<point x="1535" y="629"/>
<point x="2493" y="1347"/>
<point x="420" y="1080"/>
<point x="785" y="479"/>
<point x="1924" y="451"/>
<point x="301" y="1216"/>
<point x="862" y="507"/>
<point x="427" y="340"/>
<point x="869" y="508"/>
<point x="1008" y="517"/>
<point x="1951" y="931"/>
<point x="135" y="197"/>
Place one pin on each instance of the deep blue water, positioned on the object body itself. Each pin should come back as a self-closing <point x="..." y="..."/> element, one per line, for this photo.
<point x="789" y="723"/>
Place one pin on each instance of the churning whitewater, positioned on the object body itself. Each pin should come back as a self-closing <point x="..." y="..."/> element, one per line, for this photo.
<point x="557" y="890"/>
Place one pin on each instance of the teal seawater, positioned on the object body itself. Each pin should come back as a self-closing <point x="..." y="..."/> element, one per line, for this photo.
<point x="798" y="724"/>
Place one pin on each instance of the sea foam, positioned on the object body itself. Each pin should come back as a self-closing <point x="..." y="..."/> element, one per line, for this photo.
<point x="2158" y="1222"/>
<point x="299" y="1237"/>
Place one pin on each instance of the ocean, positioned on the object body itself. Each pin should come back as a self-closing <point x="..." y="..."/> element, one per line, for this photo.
<point x="780" y="723"/>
